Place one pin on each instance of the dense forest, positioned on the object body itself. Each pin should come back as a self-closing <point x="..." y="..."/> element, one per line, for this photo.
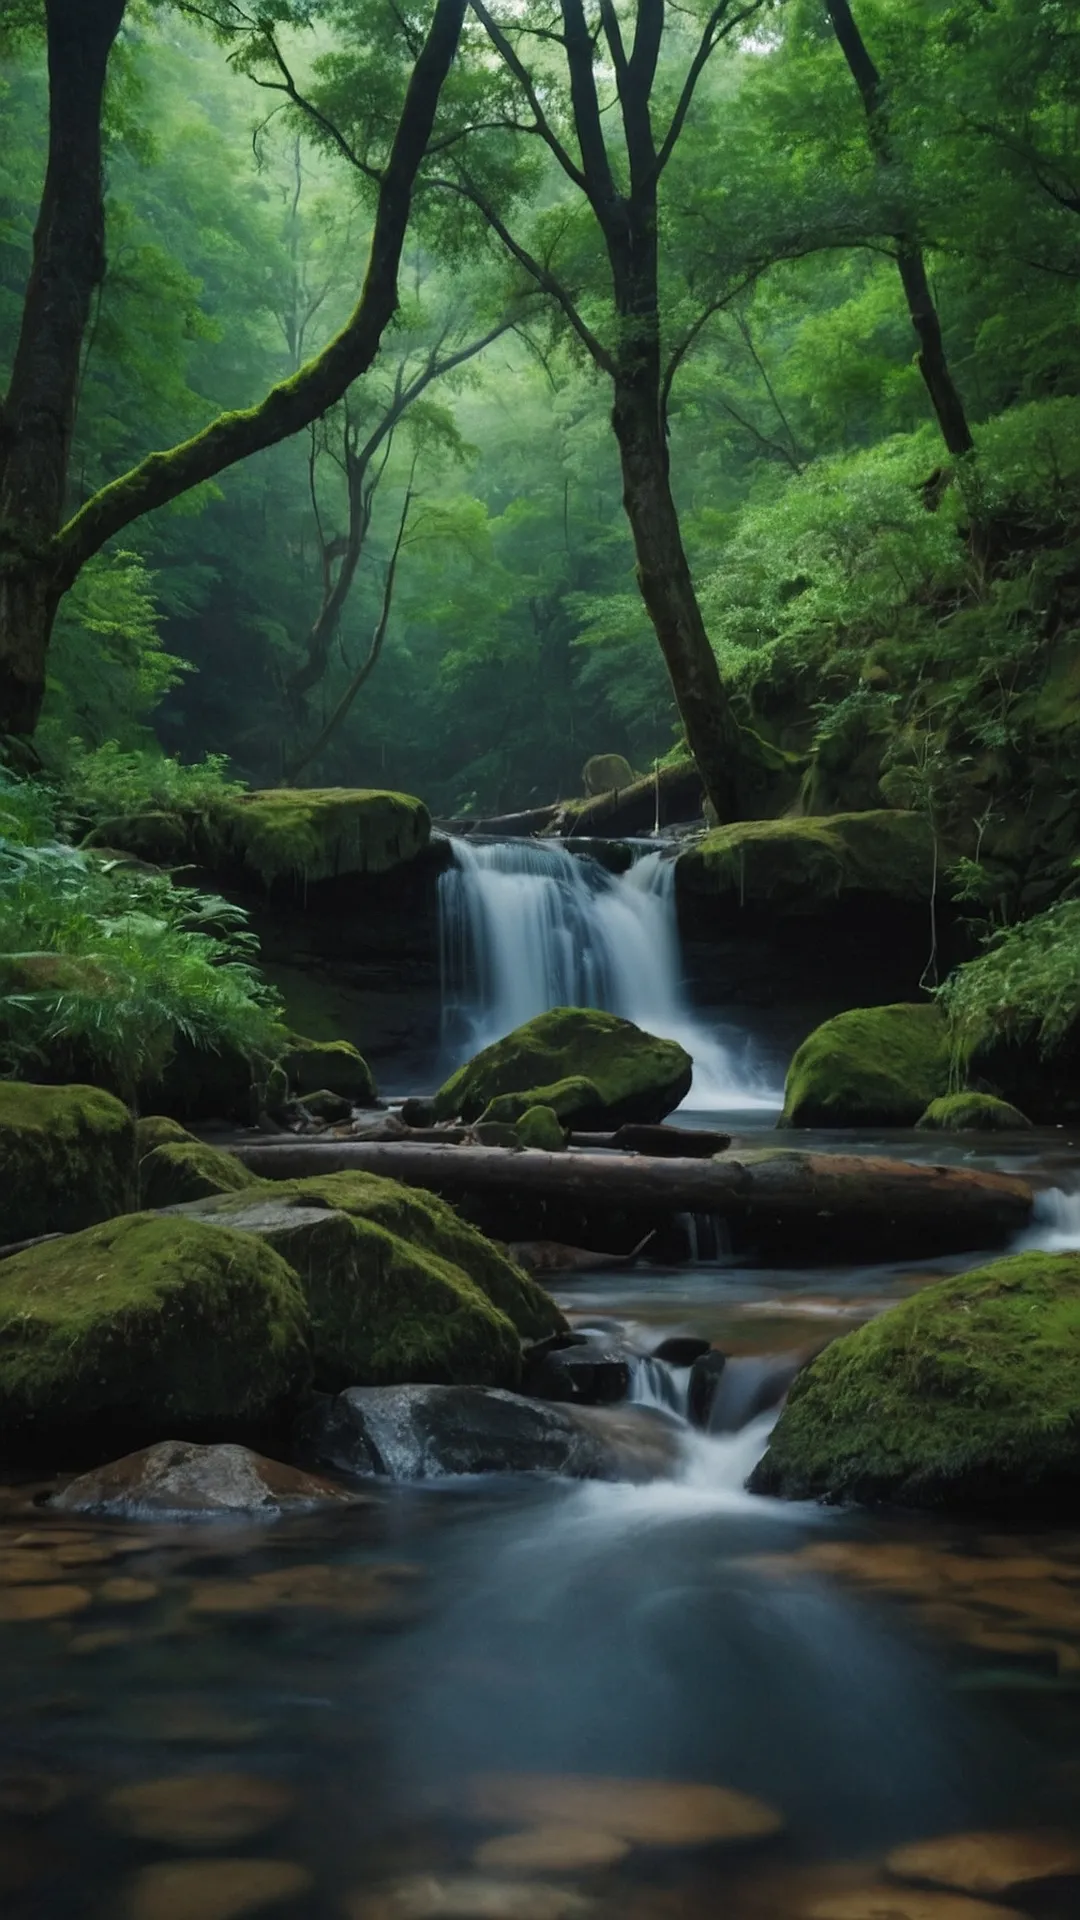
<point x="863" y="316"/>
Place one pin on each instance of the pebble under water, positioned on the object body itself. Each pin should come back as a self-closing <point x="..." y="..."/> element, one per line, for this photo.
<point x="528" y="1699"/>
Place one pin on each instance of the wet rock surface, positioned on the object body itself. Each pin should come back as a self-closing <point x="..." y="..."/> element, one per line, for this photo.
<point x="178" y="1479"/>
<point x="418" y="1433"/>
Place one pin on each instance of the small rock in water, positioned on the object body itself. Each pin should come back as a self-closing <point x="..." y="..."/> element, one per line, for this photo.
<point x="127" y="1591"/>
<point x="213" y="1889"/>
<point x="987" y="1862"/>
<point x="467" y="1897"/>
<point x="198" y="1810"/>
<point x="179" y="1480"/>
<point x="681" y="1349"/>
<point x="42" y="1603"/>
<point x="592" y="1372"/>
<point x="324" y="1105"/>
<point x="659" y="1813"/>
<point x="552" y="1849"/>
<point x="900" y="1903"/>
<point x="706" y="1374"/>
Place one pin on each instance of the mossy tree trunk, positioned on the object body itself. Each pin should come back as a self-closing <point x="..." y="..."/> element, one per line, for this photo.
<point x="40" y="555"/>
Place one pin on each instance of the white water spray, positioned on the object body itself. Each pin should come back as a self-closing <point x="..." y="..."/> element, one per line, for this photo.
<point x="1055" y="1223"/>
<point x="525" y="925"/>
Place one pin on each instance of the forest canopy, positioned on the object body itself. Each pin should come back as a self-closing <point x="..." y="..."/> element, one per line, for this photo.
<point x="795" y="284"/>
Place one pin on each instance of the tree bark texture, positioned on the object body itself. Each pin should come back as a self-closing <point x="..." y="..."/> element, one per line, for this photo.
<point x="933" y="362"/>
<point x="785" y="1196"/>
<point x="40" y="557"/>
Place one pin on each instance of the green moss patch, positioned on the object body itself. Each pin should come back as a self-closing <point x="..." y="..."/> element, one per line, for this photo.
<point x="972" y="1113"/>
<point x="157" y="1130"/>
<point x="155" y="1321"/>
<point x="967" y="1394"/>
<point x="67" y="1159"/>
<point x="871" y="1067"/>
<point x="329" y="1066"/>
<point x="793" y="866"/>
<point x="322" y="833"/>
<point x="539" y="1127"/>
<point x="181" y="1170"/>
<point x="635" y="1075"/>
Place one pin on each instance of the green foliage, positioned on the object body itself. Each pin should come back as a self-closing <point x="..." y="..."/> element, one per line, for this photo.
<point x="106" y="783"/>
<point x="1025" y="986"/>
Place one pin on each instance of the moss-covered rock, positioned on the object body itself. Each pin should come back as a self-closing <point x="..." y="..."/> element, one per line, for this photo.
<point x="322" y="833"/>
<point x="67" y="1159"/>
<point x="633" y="1074"/>
<point x="965" y="1395"/>
<point x="157" y="1130"/>
<point x="539" y="1127"/>
<point x="871" y="1067"/>
<point x="606" y="773"/>
<point x="330" y="1066"/>
<point x="795" y="866"/>
<point x="425" y="1222"/>
<point x="972" y="1113"/>
<point x="155" y="1322"/>
<point x="189" y="1169"/>
<point x="383" y="1310"/>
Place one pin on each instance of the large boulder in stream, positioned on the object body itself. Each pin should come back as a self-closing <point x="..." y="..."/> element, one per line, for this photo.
<point x="398" y="1288"/>
<point x="67" y="1159"/>
<point x="592" y="1069"/>
<point x="421" y="1433"/>
<point x="149" y="1322"/>
<point x="178" y="1480"/>
<point x="870" y="1067"/>
<point x="965" y="1396"/>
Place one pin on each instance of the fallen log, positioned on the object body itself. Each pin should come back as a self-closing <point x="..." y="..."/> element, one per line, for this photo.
<point x="779" y="1200"/>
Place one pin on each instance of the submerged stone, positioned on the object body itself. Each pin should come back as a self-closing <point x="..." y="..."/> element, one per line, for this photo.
<point x="152" y="1320"/>
<point x="424" y="1896"/>
<point x="987" y="1863"/>
<point x="870" y="1067"/>
<point x="558" y="1849"/>
<point x="67" y="1159"/>
<point x="657" y="1813"/>
<point x="213" y="1889"/>
<point x="198" y="1810"/>
<point x="185" y="1481"/>
<point x="421" y="1433"/>
<point x="592" y="1069"/>
<point x="966" y="1395"/>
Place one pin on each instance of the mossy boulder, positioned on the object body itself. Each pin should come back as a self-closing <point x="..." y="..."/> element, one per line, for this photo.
<point x="157" y="1130"/>
<point x="870" y="1067"/>
<point x="795" y="866"/>
<point x="154" y="1323"/>
<point x="322" y="833"/>
<point x="189" y="1169"/>
<point x="593" y="1069"/>
<point x="426" y="1223"/>
<point x="67" y="1159"/>
<point x="383" y="1310"/>
<point x="539" y="1127"/>
<point x="966" y="1395"/>
<point x="972" y="1113"/>
<point x="606" y="773"/>
<point x="329" y="1066"/>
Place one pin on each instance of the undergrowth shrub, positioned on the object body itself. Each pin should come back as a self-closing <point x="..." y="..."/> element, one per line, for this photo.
<point x="1025" y="985"/>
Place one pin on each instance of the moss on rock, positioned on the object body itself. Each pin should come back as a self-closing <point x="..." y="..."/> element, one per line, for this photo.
<point x="322" y="833"/>
<point x="972" y="1113"/>
<point x="67" y="1159"/>
<point x="965" y="1395"/>
<point x="425" y="1222"/>
<point x="539" y="1127"/>
<point x="190" y="1169"/>
<point x="635" y="1075"/>
<point x="793" y="866"/>
<point x="870" y="1067"/>
<point x="383" y="1310"/>
<point x="157" y="1130"/>
<point x="329" y="1066"/>
<point x="156" y="1322"/>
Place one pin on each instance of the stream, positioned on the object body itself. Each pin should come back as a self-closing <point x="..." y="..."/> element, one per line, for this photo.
<point x="361" y="1714"/>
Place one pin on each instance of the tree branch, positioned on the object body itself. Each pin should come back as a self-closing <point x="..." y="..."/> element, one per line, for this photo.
<point x="717" y="28"/>
<point x="510" y="58"/>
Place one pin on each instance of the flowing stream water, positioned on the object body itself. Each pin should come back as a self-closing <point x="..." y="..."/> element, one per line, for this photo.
<point x="350" y="1716"/>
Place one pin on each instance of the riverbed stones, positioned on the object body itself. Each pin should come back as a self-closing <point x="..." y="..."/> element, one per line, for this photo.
<point x="965" y="1396"/>
<point x="420" y="1433"/>
<point x="869" y="1067"/>
<point x="593" y="1069"/>
<point x="198" y="1809"/>
<point x="425" y="1896"/>
<point x="879" y="1902"/>
<point x="151" y="1320"/>
<point x="67" y="1159"/>
<point x="213" y="1889"/>
<point x="182" y="1481"/>
<point x="552" y="1849"/>
<point x="987" y="1863"/>
<point x="651" y="1813"/>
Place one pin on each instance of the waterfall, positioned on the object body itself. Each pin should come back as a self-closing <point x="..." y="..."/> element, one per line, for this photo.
<point x="525" y="925"/>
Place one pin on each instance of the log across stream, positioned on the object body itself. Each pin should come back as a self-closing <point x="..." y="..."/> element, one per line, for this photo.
<point x="786" y="1201"/>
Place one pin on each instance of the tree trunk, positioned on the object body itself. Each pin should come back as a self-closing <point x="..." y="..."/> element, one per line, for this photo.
<point x="933" y="364"/>
<point x="38" y="414"/>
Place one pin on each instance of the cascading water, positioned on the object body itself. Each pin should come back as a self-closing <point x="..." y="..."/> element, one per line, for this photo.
<point x="525" y="926"/>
